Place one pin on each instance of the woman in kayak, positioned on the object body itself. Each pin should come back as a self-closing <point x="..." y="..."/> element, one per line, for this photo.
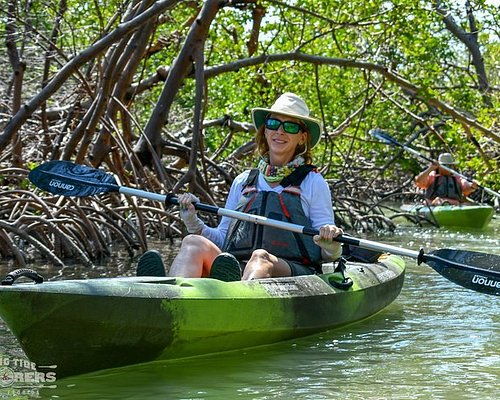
<point x="441" y="186"/>
<point x="285" y="186"/>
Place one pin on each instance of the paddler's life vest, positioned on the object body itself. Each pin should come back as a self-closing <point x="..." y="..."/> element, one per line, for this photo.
<point x="244" y="237"/>
<point x="445" y="186"/>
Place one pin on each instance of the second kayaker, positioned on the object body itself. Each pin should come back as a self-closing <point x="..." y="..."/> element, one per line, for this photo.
<point x="443" y="187"/>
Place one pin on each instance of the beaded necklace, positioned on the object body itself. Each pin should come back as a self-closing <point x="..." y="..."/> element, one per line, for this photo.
<point x="275" y="173"/>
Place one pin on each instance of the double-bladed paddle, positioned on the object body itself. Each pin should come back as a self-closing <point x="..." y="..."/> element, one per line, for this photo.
<point x="387" y="139"/>
<point x="472" y="270"/>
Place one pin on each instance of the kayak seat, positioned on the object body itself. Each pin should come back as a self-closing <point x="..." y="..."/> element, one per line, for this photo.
<point x="150" y="264"/>
<point x="226" y="268"/>
<point x="357" y="254"/>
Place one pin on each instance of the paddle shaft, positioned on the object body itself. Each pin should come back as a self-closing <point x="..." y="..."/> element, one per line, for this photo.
<point x="260" y="220"/>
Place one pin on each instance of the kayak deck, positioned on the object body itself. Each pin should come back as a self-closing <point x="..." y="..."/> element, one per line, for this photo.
<point x="87" y="325"/>
<point x="461" y="216"/>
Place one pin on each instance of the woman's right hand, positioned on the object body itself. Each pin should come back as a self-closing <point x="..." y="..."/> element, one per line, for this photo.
<point x="188" y="212"/>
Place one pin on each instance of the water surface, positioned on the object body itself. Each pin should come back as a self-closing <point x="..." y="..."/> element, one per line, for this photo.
<point x="436" y="341"/>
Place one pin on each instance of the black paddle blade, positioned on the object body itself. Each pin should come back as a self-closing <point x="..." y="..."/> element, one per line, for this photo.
<point x="470" y="269"/>
<point x="383" y="136"/>
<point x="69" y="179"/>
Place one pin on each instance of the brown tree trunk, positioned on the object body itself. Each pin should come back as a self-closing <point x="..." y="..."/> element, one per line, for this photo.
<point x="18" y="68"/>
<point x="470" y="40"/>
<point x="123" y="75"/>
<point x="181" y="68"/>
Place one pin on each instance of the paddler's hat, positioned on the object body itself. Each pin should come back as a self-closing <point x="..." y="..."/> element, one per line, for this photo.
<point x="446" y="159"/>
<point x="292" y="105"/>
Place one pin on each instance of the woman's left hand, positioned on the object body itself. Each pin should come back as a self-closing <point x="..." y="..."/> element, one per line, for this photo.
<point x="328" y="232"/>
<point x="325" y="240"/>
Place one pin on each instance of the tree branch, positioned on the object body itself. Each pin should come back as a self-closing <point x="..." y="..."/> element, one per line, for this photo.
<point x="470" y="40"/>
<point x="386" y="72"/>
<point x="86" y="55"/>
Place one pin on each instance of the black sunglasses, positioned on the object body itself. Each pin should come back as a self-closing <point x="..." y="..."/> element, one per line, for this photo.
<point x="288" y="126"/>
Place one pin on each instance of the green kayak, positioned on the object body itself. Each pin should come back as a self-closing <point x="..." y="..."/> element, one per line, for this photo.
<point x="461" y="216"/>
<point x="79" y="326"/>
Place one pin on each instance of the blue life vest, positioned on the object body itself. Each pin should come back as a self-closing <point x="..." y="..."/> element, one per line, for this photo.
<point x="244" y="237"/>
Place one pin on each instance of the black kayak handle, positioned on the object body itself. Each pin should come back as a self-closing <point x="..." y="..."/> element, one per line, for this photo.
<point x="13" y="276"/>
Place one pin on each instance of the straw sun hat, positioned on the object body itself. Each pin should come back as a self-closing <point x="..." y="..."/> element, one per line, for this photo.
<point x="293" y="106"/>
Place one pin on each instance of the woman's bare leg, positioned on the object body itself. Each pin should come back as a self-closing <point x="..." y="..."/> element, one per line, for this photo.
<point x="263" y="264"/>
<point x="195" y="257"/>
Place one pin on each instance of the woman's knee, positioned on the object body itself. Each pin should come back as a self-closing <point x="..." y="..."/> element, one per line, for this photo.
<point x="193" y="240"/>
<point x="263" y="256"/>
<point x="263" y="264"/>
<point x="199" y="244"/>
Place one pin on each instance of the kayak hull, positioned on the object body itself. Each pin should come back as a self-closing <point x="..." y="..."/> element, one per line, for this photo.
<point x="459" y="216"/>
<point x="79" y="326"/>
